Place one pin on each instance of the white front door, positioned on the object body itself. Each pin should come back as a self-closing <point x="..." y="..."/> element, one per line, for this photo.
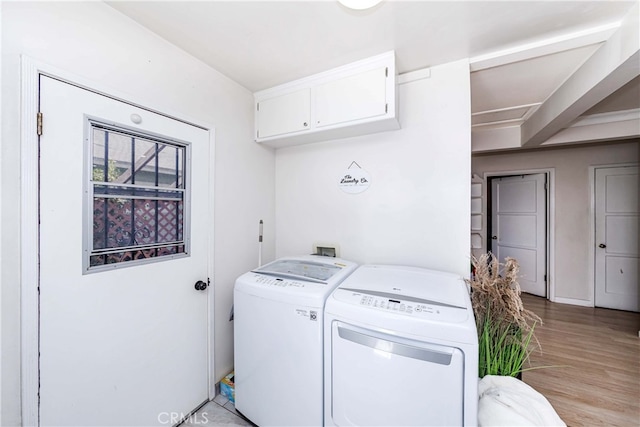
<point x="617" y="249"/>
<point x="123" y="239"/>
<point x="518" y="227"/>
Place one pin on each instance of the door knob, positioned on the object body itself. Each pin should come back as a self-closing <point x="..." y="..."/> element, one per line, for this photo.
<point x="494" y="237"/>
<point x="602" y="245"/>
<point x="200" y="285"/>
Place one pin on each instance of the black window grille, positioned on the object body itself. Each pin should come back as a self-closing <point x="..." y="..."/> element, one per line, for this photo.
<point x="138" y="191"/>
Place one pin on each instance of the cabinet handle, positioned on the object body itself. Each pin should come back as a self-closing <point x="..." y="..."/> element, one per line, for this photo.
<point x="305" y="124"/>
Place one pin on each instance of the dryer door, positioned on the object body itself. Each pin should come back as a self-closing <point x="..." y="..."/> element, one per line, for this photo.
<point x="384" y="380"/>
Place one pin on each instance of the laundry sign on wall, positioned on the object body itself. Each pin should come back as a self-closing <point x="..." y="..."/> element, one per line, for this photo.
<point x="355" y="179"/>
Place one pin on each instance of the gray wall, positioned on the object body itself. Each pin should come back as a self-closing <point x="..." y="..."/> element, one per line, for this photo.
<point x="572" y="203"/>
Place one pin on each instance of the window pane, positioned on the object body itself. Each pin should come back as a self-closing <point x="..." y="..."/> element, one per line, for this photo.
<point x="100" y="222"/>
<point x="158" y="221"/>
<point x="169" y="221"/>
<point x="135" y="192"/>
<point x="138" y="197"/>
<point x="99" y="156"/>
<point x="111" y="152"/>
<point x="145" y="222"/>
<point x="169" y="167"/>
<point x="119" y="167"/>
<point x="146" y="161"/>
<point x="116" y="225"/>
<point x="180" y="169"/>
<point x="119" y="230"/>
<point x="170" y="250"/>
<point x="132" y="255"/>
<point x="160" y="165"/>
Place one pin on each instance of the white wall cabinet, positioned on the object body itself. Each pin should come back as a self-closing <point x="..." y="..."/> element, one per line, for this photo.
<point x="284" y="114"/>
<point x="355" y="99"/>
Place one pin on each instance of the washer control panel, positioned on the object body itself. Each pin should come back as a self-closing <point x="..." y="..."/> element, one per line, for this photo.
<point x="261" y="279"/>
<point x="408" y="306"/>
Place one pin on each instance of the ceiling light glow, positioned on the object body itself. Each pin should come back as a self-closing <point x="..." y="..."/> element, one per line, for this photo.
<point x="359" y="4"/>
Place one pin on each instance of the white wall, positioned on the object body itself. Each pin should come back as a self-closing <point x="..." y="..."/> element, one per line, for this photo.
<point x="417" y="209"/>
<point x="1" y="329"/>
<point x="572" y="203"/>
<point x="92" y="40"/>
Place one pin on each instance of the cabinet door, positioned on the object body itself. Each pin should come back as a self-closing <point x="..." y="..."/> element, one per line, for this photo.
<point x="284" y="114"/>
<point x="356" y="97"/>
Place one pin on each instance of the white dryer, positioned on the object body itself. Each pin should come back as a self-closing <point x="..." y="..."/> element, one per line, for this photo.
<point x="278" y="339"/>
<point x="401" y="349"/>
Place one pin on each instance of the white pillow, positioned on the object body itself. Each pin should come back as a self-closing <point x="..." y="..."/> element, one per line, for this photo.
<point x="507" y="401"/>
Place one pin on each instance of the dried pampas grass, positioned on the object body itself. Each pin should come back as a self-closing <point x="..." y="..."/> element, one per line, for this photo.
<point x="496" y="291"/>
<point x="505" y="327"/>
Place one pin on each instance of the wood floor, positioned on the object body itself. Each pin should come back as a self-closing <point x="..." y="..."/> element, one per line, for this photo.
<point x="597" y="354"/>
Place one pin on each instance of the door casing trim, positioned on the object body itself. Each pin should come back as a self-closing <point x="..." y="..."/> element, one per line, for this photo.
<point x="31" y="70"/>
<point x="551" y="213"/>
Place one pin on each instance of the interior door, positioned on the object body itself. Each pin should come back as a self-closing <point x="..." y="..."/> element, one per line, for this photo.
<point x="617" y="213"/>
<point x="123" y="332"/>
<point x="518" y="227"/>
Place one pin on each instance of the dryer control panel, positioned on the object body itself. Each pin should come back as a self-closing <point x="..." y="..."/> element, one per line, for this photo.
<point x="403" y="305"/>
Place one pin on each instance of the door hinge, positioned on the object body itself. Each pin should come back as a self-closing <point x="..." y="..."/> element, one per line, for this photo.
<point x="546" y="186"/>
<point x="258" y="106"/>
<point x="545" y="278"/>
<point x="386" y="108"/>
<point x="39" y="123"/>
<point x="386" y="71"/>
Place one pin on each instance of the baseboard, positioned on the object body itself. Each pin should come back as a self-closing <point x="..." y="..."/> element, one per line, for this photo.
<point x="573" y="301"/>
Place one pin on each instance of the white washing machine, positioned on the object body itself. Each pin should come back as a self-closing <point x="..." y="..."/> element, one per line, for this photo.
<point x="278" y="339"/>
<point x="400" y="349"/>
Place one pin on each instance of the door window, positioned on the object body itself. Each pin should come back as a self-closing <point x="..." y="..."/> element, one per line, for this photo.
<point x="136" y="198"/>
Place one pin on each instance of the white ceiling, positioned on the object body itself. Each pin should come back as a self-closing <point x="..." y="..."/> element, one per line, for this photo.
<point x="521" y="51"/>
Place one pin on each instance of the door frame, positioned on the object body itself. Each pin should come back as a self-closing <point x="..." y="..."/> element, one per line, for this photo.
<point x="31" y="70"/>
<point x="550" y="226"/>
<point x="591" y="254"/>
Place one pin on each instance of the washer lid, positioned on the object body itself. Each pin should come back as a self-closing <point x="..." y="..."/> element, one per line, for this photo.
<point x="298" y="269"/>
<point x="305" y="280"/>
